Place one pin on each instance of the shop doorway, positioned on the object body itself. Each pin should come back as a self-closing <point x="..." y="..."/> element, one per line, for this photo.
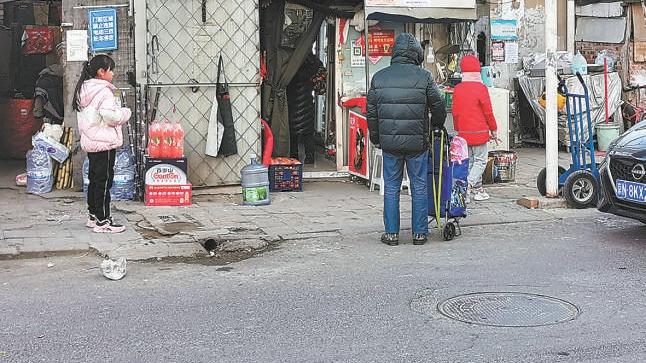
<point x="324" y="142"/>
<point x="299" y="85"/>
<point x="31" y="77"/>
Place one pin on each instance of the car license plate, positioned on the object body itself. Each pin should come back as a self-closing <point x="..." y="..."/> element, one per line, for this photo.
<point x="631" y="191"/>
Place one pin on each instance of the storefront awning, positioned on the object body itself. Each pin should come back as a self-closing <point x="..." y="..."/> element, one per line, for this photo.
<point x="421" y="11"/>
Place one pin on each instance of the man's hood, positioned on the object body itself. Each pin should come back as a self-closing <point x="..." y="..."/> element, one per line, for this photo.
<point x="407" y="50"/>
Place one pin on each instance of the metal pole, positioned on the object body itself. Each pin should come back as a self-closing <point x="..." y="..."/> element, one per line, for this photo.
<point x="367" y="67"/>
<point x="551" y="114"/>
<point x="366" y="60"/>
<point x="571" y="21"/>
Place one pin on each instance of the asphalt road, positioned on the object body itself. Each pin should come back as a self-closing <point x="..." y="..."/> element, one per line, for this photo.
<point x="350" y="300"/>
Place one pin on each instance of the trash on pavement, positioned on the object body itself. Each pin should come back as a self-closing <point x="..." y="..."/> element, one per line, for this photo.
<point x="114" y="270"/>
<point x="21" y="179"/>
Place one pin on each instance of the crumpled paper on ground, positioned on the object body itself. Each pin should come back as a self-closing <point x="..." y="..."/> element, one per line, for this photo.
<point x="114" y="270"/>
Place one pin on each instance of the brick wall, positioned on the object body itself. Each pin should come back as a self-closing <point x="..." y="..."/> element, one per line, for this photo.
<point x="636" y="71"/>
<point x="590" y="50"/>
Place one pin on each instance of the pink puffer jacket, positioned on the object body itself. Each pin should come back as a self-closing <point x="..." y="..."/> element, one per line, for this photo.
<point x="101" y="117"/>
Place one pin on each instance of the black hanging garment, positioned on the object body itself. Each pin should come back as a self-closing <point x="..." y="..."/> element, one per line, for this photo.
<point x="300" y="99"/>
<point x="225" y="114"/>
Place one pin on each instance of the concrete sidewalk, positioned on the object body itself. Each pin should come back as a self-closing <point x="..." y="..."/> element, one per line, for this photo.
<point x="37" y="226"/>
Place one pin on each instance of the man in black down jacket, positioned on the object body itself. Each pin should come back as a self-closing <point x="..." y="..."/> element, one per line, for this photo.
<point x="399" y="101"/>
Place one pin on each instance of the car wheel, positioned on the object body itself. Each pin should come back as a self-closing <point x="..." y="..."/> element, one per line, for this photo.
<point x="542" y="176"/>
<point x="581" y="189"/>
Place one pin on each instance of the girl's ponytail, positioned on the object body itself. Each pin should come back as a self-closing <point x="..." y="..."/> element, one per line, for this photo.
<point x="90" y="69"/>
<point x="85" y="75"/>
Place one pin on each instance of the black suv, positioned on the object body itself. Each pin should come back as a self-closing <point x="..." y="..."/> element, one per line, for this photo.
<point x="623" y="175"/>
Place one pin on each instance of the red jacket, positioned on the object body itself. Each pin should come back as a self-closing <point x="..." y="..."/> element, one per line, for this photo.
<point x="473" y="117"/>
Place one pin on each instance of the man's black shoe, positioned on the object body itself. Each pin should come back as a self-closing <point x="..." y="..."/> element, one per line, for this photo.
<point x="391" y="239"/>
<point x="419" y="239"/>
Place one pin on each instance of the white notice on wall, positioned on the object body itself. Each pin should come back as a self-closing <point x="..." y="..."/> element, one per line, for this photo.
<point x="76" y="44"/>
<point x="511" y="52"/>
<point x="357" y="58"/>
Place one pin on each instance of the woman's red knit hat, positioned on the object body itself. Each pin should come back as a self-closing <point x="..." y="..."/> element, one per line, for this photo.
<point x="470" y="64"/>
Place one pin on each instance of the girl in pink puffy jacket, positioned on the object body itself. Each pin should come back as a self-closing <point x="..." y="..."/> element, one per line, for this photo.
<point x="100" y="117"/>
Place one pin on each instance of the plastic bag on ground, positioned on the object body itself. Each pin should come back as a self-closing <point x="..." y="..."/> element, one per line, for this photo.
<point x="114" y="270"/>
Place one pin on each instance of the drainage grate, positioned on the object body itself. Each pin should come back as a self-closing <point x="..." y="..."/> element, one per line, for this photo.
<point x="508" y="309"/>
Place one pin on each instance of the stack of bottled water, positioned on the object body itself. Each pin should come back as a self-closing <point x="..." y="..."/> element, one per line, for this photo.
<point x="40" y="175"/>
<point x="123" y="186"/>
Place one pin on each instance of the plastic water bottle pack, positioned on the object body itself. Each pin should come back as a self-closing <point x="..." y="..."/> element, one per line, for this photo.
<point x="123" y="186"/>
<point x="40" y="176"/>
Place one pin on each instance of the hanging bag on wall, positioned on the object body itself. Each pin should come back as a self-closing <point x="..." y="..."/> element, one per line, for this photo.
<point x="228" y="146"/>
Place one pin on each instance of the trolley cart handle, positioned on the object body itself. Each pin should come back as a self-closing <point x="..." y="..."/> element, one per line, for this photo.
<point x="585" y="87"/>
<point x="580" y="77"/>
<point x="562" y="88"/>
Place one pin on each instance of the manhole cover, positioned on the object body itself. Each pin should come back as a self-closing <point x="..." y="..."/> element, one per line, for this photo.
<point x="508" y="309"/>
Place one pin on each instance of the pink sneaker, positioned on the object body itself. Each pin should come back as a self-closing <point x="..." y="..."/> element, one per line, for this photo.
<point x="108" y="226"/>
<point x="91" y="221"/>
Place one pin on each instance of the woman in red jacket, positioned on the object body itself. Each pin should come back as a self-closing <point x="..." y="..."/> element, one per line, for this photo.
<point x="474" y="121"/>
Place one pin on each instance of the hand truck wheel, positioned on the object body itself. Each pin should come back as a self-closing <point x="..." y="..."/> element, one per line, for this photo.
<point x="449" y="231"/>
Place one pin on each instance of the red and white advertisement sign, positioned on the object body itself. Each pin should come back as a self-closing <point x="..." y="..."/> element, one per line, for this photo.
<point x="168" y="195"/>
<point x="381" y="43"/>
<point x="358" y="145"/>
<point x="165" y="174"/>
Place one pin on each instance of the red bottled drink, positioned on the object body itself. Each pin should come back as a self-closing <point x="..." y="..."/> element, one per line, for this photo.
<point x="178" y="140"/>
<point x="154" y="140"/>
<point x="167" y="142"/>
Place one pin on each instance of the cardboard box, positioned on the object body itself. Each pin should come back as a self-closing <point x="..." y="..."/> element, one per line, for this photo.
<point x="168" y="195"/>
<point x="166" y="171"/>
<point x="55" y="149"/>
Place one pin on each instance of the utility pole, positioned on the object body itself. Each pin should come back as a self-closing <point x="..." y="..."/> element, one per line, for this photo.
<point x="571" y="21"/>
<point x="551" y="114"/>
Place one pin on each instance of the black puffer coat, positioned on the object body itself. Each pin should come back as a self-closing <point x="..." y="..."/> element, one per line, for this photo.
<point x="400" y="99"/>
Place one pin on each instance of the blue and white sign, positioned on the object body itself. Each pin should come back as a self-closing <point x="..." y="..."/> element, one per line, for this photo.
<point x="103" y="29"/>
<point x="504" y="29"/>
